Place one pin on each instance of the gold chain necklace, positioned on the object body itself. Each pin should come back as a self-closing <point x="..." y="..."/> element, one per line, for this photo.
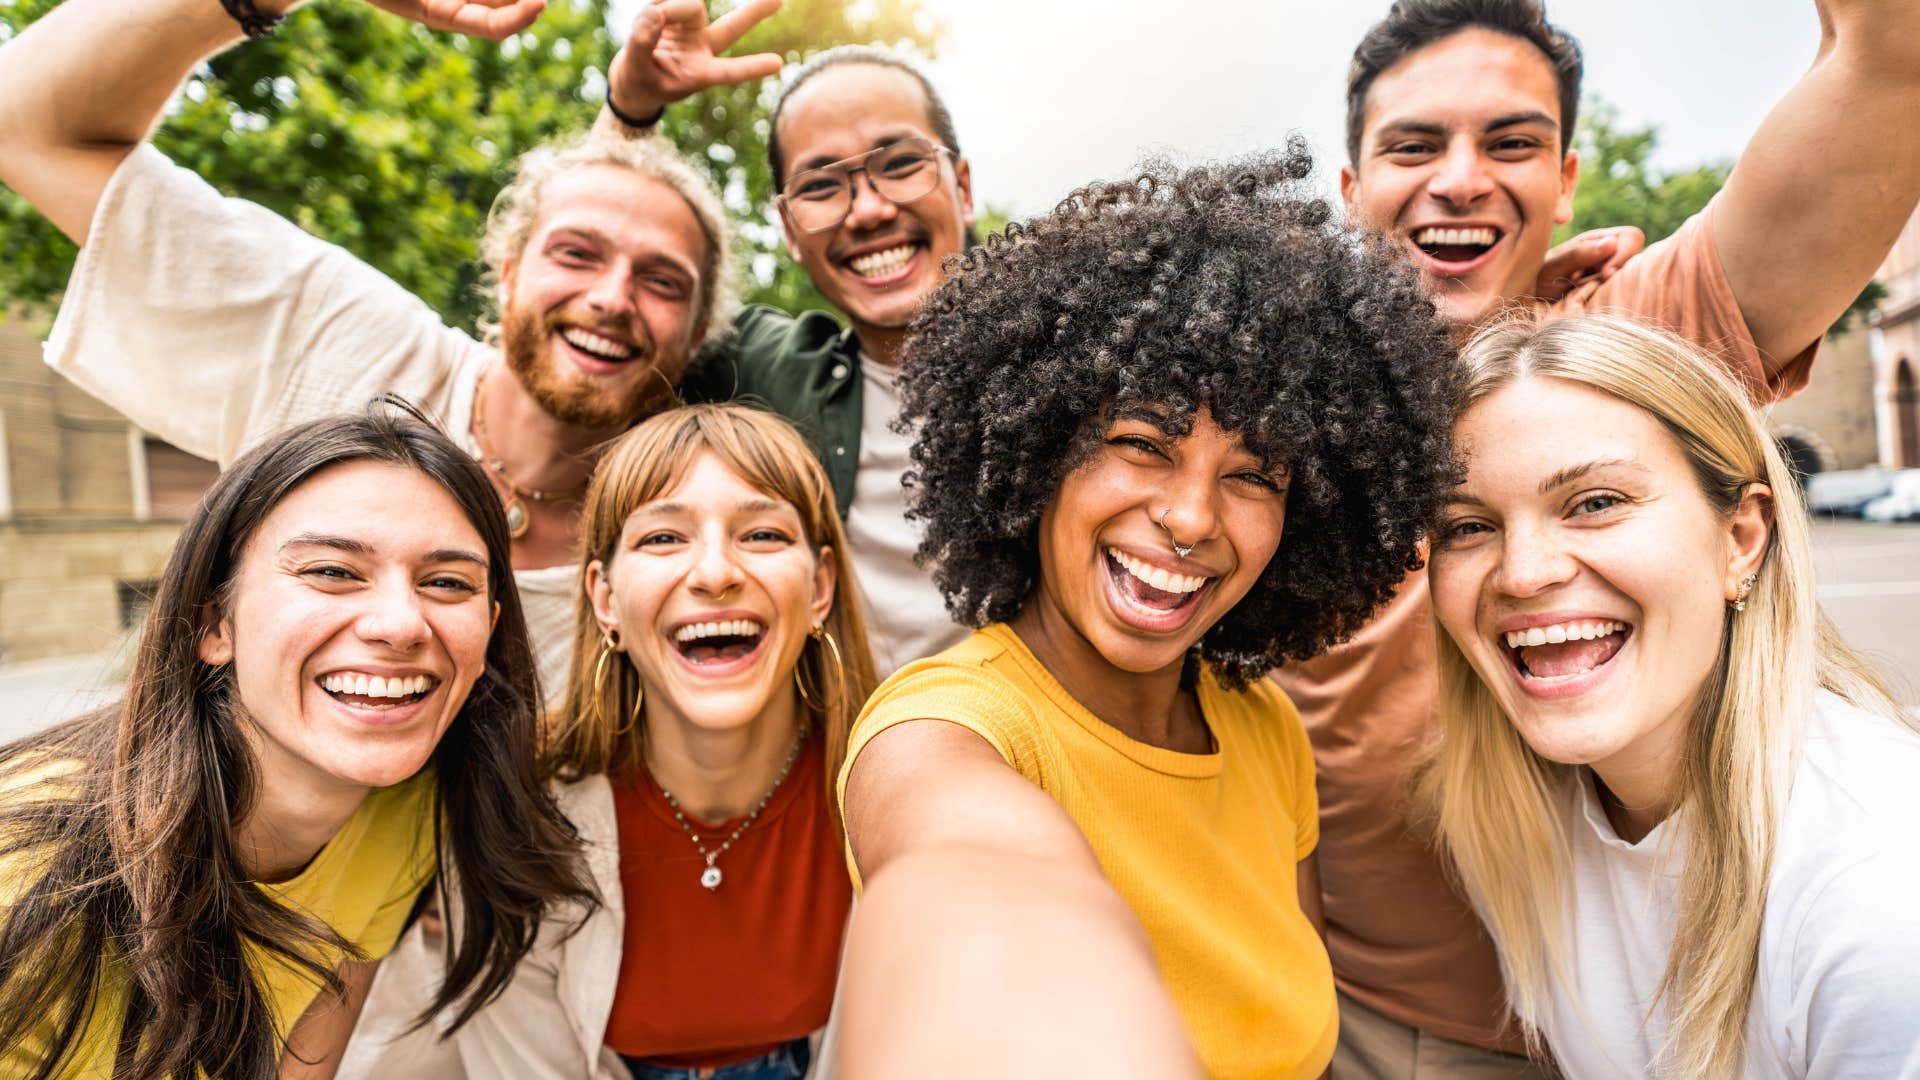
<point x="517" y="519"/>
<point x="710" y="877"/>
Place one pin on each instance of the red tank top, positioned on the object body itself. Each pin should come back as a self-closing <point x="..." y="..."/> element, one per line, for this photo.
<point x="711" y="978"/>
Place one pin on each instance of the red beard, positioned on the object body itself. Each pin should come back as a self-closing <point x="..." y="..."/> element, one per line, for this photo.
<point x="571" y="396"/>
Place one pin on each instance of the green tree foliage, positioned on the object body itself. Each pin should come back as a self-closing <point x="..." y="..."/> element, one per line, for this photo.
<point x="392" y="140"/>
<point x="1618" y="186"/>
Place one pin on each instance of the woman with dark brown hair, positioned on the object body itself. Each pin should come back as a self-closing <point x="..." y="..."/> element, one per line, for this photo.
<point x="719" y="659"/>
<point x="333" y="699"/>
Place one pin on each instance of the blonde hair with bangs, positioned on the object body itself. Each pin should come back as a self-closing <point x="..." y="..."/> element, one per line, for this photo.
<point x="1498" y="805"/>
<point x="589" y="734"/>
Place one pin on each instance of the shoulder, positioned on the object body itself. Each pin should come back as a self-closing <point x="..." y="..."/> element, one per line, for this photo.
<point x="1854" y="781"/>
<point x="770" y="355"/>
<point x="1847" y="868"/>
<point x="764" y="335"/>
<point x="1261" y="714"/>
<point x="970" y="684"/>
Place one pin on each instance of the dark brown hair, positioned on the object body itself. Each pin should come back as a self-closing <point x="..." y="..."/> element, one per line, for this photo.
<point x="128" y="814"/>
<point x="1412" y="25"/>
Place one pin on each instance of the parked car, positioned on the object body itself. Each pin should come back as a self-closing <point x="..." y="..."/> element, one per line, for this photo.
<point x="1900" y="503"/>
<point x="1847" y="493"/>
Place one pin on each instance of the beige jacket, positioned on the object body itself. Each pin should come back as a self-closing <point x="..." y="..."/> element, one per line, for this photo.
<point x="550" y="1021"/>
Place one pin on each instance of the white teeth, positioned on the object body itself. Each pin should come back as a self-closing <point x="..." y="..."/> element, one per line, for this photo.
<point x="725" y="628"/>
<point x="1484" y="237"/>
<point x="587" y="341"/>
<point x="1560" y="632"/>
<point x="879" y="263"/>
<point x="1154" y="576"/>
<point x="398" y="686"/>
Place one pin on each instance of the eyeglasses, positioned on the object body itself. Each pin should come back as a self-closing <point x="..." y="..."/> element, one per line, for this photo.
<point x="819" y="199"/>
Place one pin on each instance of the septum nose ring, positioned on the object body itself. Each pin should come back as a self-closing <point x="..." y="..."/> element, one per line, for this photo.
<point x="1182" y="550"/>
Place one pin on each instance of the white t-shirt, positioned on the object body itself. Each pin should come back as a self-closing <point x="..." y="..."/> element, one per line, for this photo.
<point x="1838" y="989"/>
<point x="212" y="322"/>
<point x="906" y="617"/>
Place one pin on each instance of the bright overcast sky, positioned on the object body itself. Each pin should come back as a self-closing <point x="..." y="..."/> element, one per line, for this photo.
<point x="1048" y="94"/>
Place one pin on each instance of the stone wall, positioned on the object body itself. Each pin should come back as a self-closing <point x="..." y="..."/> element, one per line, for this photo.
<point x="70" y="588"/>
<point x="79" y="543"/>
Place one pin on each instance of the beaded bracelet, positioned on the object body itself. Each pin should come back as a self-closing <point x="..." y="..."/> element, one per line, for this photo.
<point x="252" y="20"/>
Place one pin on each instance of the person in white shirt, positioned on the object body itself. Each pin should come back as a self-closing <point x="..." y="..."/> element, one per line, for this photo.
<point x="212" y="322"/>
<point x="1682" y="805"/>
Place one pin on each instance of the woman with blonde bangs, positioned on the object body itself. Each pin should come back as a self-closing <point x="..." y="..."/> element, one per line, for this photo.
<point x="720" y="659"/>
<point x="1682" y="805"/>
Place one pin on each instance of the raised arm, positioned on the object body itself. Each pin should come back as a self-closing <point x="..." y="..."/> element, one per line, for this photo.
<point x="673" y="52"/>
<point x="1820" y="194"/>
<point x="987" y="941"/>
<point x="85" y="84"/>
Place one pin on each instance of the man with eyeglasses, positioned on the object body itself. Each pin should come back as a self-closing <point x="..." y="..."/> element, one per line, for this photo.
<point x="874" y="196"/>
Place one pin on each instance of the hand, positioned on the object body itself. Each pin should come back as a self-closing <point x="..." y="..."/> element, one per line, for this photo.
<point x="1589" y="258"/>
<point x="491" y="19"/>
<point x="673" y="53"/>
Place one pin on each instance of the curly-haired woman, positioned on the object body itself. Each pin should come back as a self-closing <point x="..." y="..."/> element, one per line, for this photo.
<point x="1119" y="407"/>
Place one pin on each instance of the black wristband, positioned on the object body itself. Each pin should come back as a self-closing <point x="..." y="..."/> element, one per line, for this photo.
<point x="632" y="122"/>
<point x="252" y="20"/>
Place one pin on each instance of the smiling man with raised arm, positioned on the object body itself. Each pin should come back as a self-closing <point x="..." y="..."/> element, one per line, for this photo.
<point x="212" y="322"/>
<point x="1460" y="115"/>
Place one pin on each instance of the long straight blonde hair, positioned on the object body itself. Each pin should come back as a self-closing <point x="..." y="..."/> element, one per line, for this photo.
<point x="1498" y="805"/>
<point x="590" y="733"/>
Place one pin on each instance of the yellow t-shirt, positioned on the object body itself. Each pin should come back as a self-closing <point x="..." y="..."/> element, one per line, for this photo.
<point x="362" y="883"/>
<point x="1203" y="847"/>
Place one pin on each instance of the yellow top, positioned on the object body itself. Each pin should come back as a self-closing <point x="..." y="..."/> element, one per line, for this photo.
<point x="362" y="883"/>
<point x="1204" y="847"/>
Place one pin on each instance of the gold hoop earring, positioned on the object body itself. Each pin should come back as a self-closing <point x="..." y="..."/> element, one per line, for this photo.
<point x="815" y="697"/>
<point x="610" y="644"/>
<point x="1746" y="587"/>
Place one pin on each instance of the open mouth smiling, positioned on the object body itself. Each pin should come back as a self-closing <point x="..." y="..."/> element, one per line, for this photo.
<point x="1150" y="596"/>
<point x="1564" y="651"/>
<point x="1461" y="246"/>
<point x="719" y="642"/>
<point x="883" y="265"/>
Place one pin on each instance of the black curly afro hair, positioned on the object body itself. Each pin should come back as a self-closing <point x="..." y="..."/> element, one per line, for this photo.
<point x="1231" y="288"/>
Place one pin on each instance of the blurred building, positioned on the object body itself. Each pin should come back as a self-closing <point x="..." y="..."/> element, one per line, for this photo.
<point x="1860" y="408"/>
<point x="89" y="509"/>
<point x="1896" y="352"/>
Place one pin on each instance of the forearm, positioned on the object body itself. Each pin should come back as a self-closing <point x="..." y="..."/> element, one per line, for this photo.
<point x="1822" y="190"/>
<point x="964" y="963"/>
<point x="86" y="83"/>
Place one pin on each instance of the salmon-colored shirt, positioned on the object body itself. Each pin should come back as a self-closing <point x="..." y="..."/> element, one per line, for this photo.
<point x="1403" y="942"/>
<point x="711" y="978"/>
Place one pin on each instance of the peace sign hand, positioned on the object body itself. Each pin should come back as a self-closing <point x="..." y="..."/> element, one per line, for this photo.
<point x="491" y="19"/>
<point x="673" y="53"/>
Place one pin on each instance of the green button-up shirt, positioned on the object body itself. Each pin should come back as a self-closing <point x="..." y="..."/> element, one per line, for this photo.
<point x="806" y="368"/>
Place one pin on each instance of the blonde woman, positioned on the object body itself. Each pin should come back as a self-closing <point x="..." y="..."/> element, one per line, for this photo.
<point x="1682" y="805"/>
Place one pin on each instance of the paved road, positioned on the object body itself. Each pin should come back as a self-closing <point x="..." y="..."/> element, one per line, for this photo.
<point x="1869" y="584"/>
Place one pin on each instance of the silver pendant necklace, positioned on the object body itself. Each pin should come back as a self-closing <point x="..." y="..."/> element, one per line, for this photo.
<point x="711" y="877"/>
